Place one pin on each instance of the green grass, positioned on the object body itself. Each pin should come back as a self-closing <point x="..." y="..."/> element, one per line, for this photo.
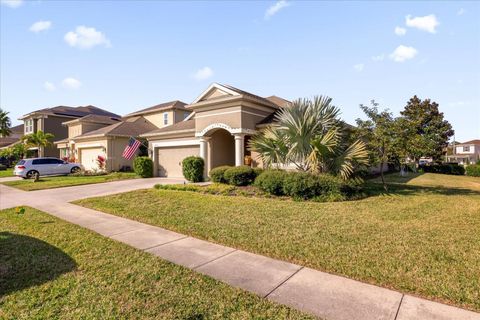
<point x="50" y="269"/>
<point x="422" y="238"/>
<point x="6" y="173"/>
<point x="67" y="181"/>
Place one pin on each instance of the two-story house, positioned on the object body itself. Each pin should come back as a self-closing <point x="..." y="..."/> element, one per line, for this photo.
<point x="85" y="144"/>
<point x="466" y="152"/>
<point x="50" y="120"/>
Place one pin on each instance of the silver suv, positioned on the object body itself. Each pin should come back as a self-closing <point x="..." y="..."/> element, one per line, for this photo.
<point x="27" y="168"/>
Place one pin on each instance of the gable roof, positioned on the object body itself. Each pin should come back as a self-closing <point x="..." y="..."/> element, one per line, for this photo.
<point x="132" y="127"/>
<point x="17" y="129"/>
<point x="93" y="118"/>
<point x="71" y="112"/>
<point x="182" y="126"/>
<point x="279" y="101"/>
<point x="476" y="141"/>
<point x="176" y="104"/>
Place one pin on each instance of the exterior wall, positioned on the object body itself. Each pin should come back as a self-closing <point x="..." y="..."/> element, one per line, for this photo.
<point x="157" y="118"/>
<point x="180" y="115"/>
<point x="229" y="116"/>
<point x="115" y="148"/>
<point x="473" y="149"/>
<point x="222" y="149"/>
<point x="74" y="130"/>
<point x="99" y="143"/>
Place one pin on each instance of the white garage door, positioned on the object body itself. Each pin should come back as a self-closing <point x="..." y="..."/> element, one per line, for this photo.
<point x="170" y="160"/>
<point x="88" y="157"/>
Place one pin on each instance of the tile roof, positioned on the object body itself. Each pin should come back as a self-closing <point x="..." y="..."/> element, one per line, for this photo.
<point x="75" y="112"/>
<point x="476" y="141"/>
<point x="251" y="95"/>
<point x="17" y="129"/>
<point x="179" y="126"/>
<point x="94" y="118"/>
<point x="278" y="101"/>
<point x="134" y="127"/>
<point x="176" y="104"/>
<point x="6" y="141"/>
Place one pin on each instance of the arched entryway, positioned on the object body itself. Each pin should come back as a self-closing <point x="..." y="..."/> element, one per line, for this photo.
<point x="221" y="148"/>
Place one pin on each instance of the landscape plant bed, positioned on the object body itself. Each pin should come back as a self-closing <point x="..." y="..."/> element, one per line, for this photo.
<point x="421" y="238"/>
<point x="51" y="269"/>
<point x="67" y="181"/>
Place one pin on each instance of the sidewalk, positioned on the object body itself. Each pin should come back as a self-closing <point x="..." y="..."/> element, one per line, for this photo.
<point x="322" y="294"/>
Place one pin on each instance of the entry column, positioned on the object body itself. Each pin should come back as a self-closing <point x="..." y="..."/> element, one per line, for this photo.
<point x="204" y="154"/>
<point x="239" y="148"/>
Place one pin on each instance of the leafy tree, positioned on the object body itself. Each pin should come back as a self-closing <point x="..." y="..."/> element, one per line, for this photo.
<point x="378" y="132"/>
<point x="310" y="135"/>
<point x="5" y="124"/>
<point x="425" y="128"/>
<point x="38" y="139"/>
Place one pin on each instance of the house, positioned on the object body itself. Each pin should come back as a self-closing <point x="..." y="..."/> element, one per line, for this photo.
<point x="222" y="121"/>
<point x="466" y="152"/>
<point x="16" y="134"/>
<point x="92" y="136"/>
<point x="50" y="120"/>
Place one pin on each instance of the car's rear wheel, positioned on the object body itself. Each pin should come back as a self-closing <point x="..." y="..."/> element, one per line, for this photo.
<point x="31" y="174"/>
<point x="75" y="170"/>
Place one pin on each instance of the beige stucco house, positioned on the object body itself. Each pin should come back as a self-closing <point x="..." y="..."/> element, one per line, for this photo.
<point x="465" y="153"/>
<point x="222" y="121"/>
<point x="93" y="136"/>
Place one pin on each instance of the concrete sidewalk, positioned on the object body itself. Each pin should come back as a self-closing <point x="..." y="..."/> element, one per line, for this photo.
<point x="322" y="294"/>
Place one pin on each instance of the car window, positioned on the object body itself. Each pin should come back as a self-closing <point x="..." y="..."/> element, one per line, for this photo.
<point x="40" y="161"/>
<point x="56" y="161"/>
<point x="19" y="163"/>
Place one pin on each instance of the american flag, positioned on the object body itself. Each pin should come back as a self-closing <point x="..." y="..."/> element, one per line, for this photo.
<point x="131" y="148"/>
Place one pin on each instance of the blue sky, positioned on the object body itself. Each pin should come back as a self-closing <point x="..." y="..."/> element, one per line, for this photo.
<point x="128" y="55"/>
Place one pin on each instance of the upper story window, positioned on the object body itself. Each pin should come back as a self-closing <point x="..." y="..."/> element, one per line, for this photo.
<point x="185" y="115"/>
<point x="466" y="149"/>
<point x="165" y="118"/>
<point x="28" y="126"/>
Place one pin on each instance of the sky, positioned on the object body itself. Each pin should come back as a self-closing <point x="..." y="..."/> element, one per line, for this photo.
<point x="127" y="55"/>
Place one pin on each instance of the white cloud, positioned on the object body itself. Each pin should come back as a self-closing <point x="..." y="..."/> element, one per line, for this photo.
<point x="203" y="73"/>
<point x="71" y="83"/>
<point x="359" y="67"/>
<point x="40" y="26"/>
<point x="49" y="86"/>
<point x="273" y="9"/>
<point x="379" y="57"/>
<point x="85" y="38"/>
<point x="402" y="53"/>
<point x="12" y="3"/>
<point x="399" y="31"/>
<point x="427" y="23"/>
<point x="460" y="12"/>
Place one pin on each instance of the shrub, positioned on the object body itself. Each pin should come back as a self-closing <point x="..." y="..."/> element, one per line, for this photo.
<point x="257" y="172"/>
<point x="3" y="167"/>
<point x="446" y="168"/>
<point x="300" y="185"/>
<point x="192" y="168"/>
<point x="143" y="166"/>
<point x="218" y="174"/>
<point x="271" y="181"/>
<point x="473" y="170"/>
<point x="239" y="176"/>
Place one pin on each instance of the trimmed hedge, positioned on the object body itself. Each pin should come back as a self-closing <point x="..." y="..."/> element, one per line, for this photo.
<point x="257" y="171"/>
<point x="446" y="168"/>
<point x="473" y="170"/>
<point x="239" y="176"/>
<point x="218" y="174"/>
<point x="271" y="181"/>
<point x="192" y="168"/>
<point x="143" y="166"/>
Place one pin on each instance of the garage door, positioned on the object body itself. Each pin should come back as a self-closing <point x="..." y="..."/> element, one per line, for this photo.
<point x="88" y="157"/>
<point x="170" y="160"/>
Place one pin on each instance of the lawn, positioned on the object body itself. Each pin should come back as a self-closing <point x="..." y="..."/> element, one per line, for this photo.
<point x="422" y="238"/>
<point x="67" y="181"/>
<point x="51" y="269"/>
<point x="6" y="173"/>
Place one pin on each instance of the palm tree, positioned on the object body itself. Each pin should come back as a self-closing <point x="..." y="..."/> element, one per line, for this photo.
<point x="5" y="124"/>
<point x="310" y="135"/>
<point x="38" y="139"/>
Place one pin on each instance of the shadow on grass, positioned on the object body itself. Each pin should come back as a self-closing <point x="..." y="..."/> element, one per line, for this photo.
<point x="27" y="262"/>
<point x="376" y="189"/>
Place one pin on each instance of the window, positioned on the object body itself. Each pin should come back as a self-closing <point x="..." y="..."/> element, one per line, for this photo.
<point x="165" y="118"/>
<point x="466" y="149"/>
<point x="40" y="161"/>
<point x="185" y="115"/>
<point x="29" y="126"/>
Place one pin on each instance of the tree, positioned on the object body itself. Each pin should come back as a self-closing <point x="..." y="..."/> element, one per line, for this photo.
<point x="38" y="139"/>
<point x="426" y="129"/>
<point x="310" y="135"/>
<point x="5" y="124"/>
<point x="379" y="134"/>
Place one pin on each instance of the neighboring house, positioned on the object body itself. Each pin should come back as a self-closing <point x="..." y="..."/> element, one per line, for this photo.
<point x="465" y="153"/>
<point x="108" y="140"/>
<point x="15" y="134"/>
<point x="223" y="120"/>
<point x="50" y="120"/>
